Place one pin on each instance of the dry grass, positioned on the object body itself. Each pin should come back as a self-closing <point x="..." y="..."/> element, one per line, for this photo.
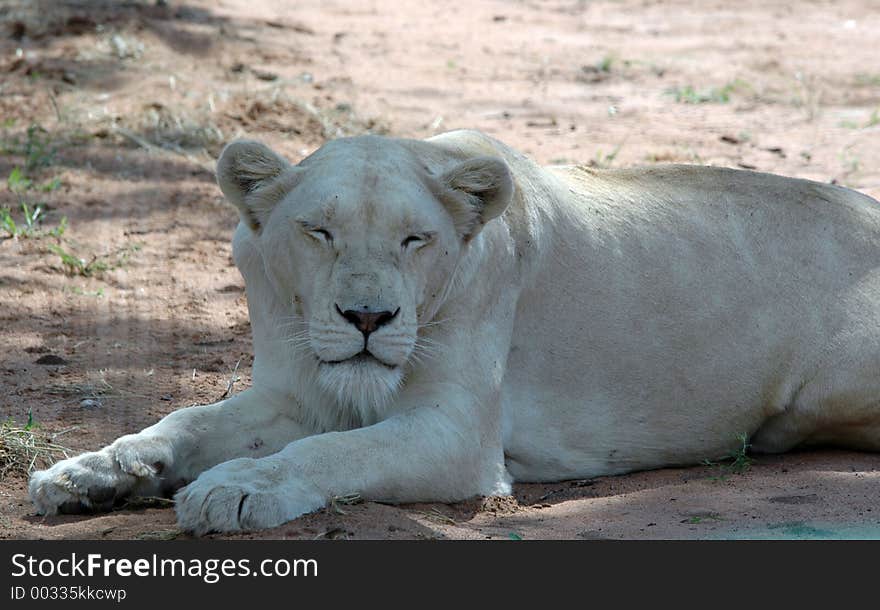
<point x="25" y="448"/>
<point x="337" y="502"/>
<point x="437" y="517"/>
<point x="199" y="134"/>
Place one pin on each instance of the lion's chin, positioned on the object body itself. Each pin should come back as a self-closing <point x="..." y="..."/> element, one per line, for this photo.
<point x="362" y="383"/>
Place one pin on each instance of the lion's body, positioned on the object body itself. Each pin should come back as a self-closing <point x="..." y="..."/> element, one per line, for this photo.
<point x="691" y="305"/>
<point x="606" y="321"/>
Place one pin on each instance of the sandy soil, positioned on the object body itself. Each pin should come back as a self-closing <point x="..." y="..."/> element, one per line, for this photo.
<point x="134" y="99"/>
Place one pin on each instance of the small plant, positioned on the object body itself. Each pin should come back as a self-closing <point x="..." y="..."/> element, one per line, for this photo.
<point x="604" y="161"/>
<point x="78" y="266"/>
<point x="50" y="185"/>
<point x="123" y="255"/>
<point x="75" y="265"/>
<point x="696" y="519"/>
<point x="737" y="462"/>
<point x="741" y="461"/>
<point x="58" y="231"/>
<point x="32" y="213"/>
<point x="38" y="148"/>
<point x="31" y="216"/>
<point x="31" y="424"/>
<point x="874" y="119"/>
<point x="17" y="182"/>
<point x="8" y="223"/>
<point x="87" y="293"/>
<point x="29" y="228"/>
<point x="690" y="95"/>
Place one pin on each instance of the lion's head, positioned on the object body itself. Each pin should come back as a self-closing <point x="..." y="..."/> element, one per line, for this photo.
<point x="362" y="239"/>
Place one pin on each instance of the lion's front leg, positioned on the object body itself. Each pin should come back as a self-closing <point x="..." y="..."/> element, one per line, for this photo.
<point x="132" y="465"/>
<point x="166" y="456"/>
<point x="446" y="449"/>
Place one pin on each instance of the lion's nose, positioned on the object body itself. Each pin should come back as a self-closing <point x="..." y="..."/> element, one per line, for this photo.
<point x="367" y="321"/>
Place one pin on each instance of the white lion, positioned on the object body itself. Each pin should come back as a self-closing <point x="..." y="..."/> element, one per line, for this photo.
<point x="435" y="319"/>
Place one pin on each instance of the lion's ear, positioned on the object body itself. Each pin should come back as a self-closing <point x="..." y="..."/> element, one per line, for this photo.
<point x="254" y="178"/>
<point x="477" y="190"/>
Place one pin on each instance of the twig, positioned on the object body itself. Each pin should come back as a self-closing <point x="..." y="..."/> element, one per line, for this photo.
<point x="231" y="381"/>
<point x="140" y="502"/>
<point x="54" y="103"/>
<point x="65" y="431"/>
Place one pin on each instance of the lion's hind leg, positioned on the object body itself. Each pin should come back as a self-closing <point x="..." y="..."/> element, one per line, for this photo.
<point x="839" y="407"/>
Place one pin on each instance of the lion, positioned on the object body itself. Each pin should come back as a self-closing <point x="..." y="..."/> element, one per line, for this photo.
<point x="436" y="319"/>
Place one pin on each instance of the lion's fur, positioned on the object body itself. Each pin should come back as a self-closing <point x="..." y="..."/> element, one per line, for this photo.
<point x="549" y="323"/>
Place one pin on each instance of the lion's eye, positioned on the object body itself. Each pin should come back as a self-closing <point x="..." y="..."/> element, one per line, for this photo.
<point x="318" y="233"/>
<point x="416" y="240"/>
<point x="324" y="233"/>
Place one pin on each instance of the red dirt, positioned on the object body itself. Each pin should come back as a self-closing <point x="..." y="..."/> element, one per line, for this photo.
<point x="136" y="99"/>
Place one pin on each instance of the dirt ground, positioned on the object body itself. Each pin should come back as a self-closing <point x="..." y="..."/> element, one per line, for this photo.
<point x="111" y="113"/>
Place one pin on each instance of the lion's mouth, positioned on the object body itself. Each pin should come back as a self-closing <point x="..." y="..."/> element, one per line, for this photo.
<point x="364" y="357"/>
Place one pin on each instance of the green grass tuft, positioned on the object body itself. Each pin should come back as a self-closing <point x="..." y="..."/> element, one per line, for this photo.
<point x="737" y="462"/>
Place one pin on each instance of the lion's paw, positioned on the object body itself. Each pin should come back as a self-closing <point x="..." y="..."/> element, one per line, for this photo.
<point x="95" y="481"/>
<point x="240" y="495"/>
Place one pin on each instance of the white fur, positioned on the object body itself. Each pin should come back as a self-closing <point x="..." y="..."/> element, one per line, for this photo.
<point x="605" y="322"/>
